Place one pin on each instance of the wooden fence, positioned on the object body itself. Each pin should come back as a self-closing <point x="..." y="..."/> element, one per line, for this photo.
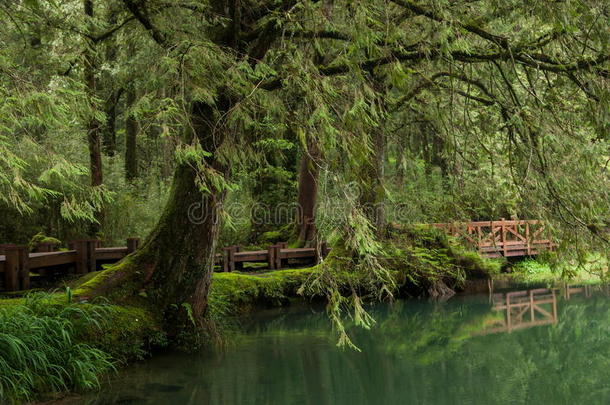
<point x="492" y="239"/>
<point x="84" y="256"/>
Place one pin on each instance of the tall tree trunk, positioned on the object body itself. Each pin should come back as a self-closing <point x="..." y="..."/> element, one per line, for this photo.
<point x="307" y="194"/>
<point x="174" y="265"/>
<point x="93" y="126"/>
<point x="109" y="132"/>
<point x="131" y="133"/>
<point x="113" y="94"/>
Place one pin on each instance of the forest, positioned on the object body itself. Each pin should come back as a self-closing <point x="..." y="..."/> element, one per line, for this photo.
<point x="336" y="131"/>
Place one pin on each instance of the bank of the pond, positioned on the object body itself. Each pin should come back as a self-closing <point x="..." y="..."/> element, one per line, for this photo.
<point x="99" y="336"/>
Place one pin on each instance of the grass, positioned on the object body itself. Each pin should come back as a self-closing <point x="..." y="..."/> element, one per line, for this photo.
<point x="39" y="352"/>
<point x="542" y="271"/>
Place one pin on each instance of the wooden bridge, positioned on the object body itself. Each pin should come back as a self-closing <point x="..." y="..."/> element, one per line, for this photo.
<point x="507" y="238"/>
<point x="492" y="239"/>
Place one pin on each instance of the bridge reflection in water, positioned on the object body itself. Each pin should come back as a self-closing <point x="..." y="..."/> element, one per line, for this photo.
<point x="537" y="307"/>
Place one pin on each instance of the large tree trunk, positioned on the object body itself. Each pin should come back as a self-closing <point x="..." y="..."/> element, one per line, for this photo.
<point x="174" y="265"/>
<point x="307" y="195"/>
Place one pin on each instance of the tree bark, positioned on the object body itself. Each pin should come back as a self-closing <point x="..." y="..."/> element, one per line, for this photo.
<point x="307" y="195"/>
<point x="109" y="136"/>
<point x="131" y="133"/>
<point x="175" y="263"/>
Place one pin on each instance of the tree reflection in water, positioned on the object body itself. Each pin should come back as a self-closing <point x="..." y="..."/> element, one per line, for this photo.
<point x="419" y="352"/>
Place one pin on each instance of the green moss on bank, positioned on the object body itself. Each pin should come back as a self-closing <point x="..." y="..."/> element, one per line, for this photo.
<point x="236" y="293"/>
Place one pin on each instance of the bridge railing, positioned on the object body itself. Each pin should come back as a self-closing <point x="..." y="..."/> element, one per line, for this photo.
<point x="502" y="238"/>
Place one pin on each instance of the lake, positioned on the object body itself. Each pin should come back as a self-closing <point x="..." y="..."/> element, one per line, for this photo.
<point x="527" y="347"/>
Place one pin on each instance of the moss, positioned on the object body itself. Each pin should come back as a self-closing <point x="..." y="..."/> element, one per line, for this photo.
<point x="236" y="293"/>
<point x="543" y="271"/>
<point x="90" y="285"/>
<point x="129" y="333"/>
<point x="41" y="238"/>
<point x="432" y="251"/>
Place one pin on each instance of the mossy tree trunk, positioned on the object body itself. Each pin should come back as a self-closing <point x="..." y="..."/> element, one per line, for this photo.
<point x="173" y="268"/>
<point x="307" y="194"/>
<point x="175" y="263"/>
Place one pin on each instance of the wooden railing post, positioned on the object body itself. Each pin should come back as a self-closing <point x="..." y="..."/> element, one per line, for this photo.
<point x="132" y="244"/>
<point x="271" y="260"/>
<point x="278" y="256"/>
<point x="503" y="237"/>
<point x="228" y="259"/>
<point x="238" y="265"/>
<point x="16" y="268"/>
<point x="527" y="238"/>
<point x="85" y="255"/>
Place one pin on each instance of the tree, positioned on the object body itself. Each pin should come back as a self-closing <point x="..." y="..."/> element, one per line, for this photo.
<point x="489" y="80"/>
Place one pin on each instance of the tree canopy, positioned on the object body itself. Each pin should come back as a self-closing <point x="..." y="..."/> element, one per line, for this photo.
<point x="382" y="112"/>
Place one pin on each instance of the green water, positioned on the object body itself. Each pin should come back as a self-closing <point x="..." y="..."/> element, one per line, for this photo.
<point x="418" y="353"/>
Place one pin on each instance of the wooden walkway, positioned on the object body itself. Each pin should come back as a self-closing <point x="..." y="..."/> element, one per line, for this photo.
<point x="492" y="239"/>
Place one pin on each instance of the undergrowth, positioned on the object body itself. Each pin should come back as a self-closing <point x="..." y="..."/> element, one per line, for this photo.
<point x="39" y="352"/>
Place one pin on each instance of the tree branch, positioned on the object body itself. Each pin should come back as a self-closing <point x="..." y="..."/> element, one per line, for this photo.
<point x="142" y="16"/>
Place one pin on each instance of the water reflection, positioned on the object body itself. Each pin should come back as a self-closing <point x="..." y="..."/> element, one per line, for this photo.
<point x="419" y="353"/>
<point x="533" y="307"/>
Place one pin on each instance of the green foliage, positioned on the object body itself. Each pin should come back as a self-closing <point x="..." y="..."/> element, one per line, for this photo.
<point x="540" y="271"/>
<point x="40" y="350"/>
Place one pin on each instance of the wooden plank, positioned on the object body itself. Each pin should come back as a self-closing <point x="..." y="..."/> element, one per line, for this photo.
<point x="111" y="253"/>
<point x="251" y="256"/>
<point x="298" y="253"/>
<point x="50" y="259"/>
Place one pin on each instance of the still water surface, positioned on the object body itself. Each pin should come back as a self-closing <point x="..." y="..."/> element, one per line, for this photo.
<point x="469" y="350"/>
